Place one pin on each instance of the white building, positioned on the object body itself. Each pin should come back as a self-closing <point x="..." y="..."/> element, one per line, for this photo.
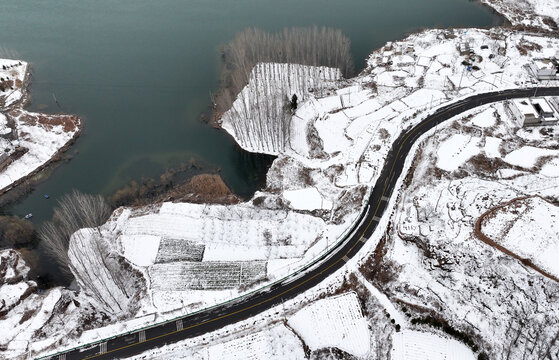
<point x="544" y="69"/>
<point x="534" y="112"/>
<point x="464" y="48"/>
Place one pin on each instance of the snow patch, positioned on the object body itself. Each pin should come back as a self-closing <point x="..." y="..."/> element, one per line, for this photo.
<point x="528" y="156"/>
<point x="456" y="150"/>
<point x="306" y="199"/>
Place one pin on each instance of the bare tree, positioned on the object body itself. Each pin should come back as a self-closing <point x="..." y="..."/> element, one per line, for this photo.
<point x="74" y="211"/>
<point x="305" y="46"/>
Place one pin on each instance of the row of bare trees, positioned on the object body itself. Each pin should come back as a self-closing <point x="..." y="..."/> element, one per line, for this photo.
<point x="306" y="46"/>
<point x="112" y="284"/>
<point x="74" y="211"/>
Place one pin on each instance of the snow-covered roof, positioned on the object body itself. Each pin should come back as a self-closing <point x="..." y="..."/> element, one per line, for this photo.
<point x="525" y="107"/>
<point x="544" y="64"/>
<point x="424" y="61"/>
<point x="543" y="104"/>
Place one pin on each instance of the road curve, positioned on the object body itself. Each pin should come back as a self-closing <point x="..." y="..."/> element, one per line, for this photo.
<point x="252" y="304"/>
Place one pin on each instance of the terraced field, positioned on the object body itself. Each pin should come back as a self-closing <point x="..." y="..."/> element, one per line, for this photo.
<point x="179" y="250"/>
<point x="207" y="275"/>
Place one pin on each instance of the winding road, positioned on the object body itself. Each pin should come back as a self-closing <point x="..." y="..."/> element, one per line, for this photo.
<point x="211" y="319"/>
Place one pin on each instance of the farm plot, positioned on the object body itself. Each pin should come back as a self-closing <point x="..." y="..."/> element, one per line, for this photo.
<point x="259" y="346"/>
<point x="528" y="227"/>
<point x="179" y="250"/>
<point x="417" y="345"/>
<point x="207" y="275"/>
<point x="334" y="322"/>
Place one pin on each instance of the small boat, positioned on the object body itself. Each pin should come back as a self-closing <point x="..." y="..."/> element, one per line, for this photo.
<point x="28" y="216"/>
<point x="47" y="196"/>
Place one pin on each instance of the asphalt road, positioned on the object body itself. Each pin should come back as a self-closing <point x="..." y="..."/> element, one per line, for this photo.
<point x="255" y="303"/>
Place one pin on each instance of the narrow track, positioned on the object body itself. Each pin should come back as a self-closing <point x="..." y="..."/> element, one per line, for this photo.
<point x="263" y="299"/>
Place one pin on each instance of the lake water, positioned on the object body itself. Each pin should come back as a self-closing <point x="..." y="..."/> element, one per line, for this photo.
<point x="140" y="73"/>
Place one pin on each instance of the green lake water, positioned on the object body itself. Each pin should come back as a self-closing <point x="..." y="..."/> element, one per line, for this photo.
<point x="139" y="73"/>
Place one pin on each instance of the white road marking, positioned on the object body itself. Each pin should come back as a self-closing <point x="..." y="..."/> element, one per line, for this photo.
<point x="103" y="348"/>
<point x="142" y="336"/>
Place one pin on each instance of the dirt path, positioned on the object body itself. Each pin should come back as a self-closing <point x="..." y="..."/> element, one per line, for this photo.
<point x="490" y="242"/>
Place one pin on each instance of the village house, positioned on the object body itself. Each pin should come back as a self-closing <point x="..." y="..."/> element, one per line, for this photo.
<point x="464" y="48"/>
<point x="544" y="69"/>
<point x="534" y="111"/>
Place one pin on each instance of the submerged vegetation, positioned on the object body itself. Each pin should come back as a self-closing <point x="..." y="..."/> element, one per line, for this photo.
<point x="305" y="46"/>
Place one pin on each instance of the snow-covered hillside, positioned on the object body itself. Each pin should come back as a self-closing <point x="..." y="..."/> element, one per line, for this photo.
<point x="529" y="13"/>
<point x="433" y="262"/>
<point x="529" y="227"/>
<point x="344" y="136"/>
<point x="35" y="320"/>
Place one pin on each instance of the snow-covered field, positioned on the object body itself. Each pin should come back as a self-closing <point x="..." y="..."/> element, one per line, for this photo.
<point x="216" y="250"/>
<point x="417" y="345"/>
<point x="276" y="342"/>
<point x="334" y="322"/>
<point x="530" y="229"/>
<point x="27" y="140"/>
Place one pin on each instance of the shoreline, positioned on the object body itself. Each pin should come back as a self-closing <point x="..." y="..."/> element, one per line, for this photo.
<point x="58" y="155"/>
<point x="53" y="161"/>
<point x="20" y="106"/>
